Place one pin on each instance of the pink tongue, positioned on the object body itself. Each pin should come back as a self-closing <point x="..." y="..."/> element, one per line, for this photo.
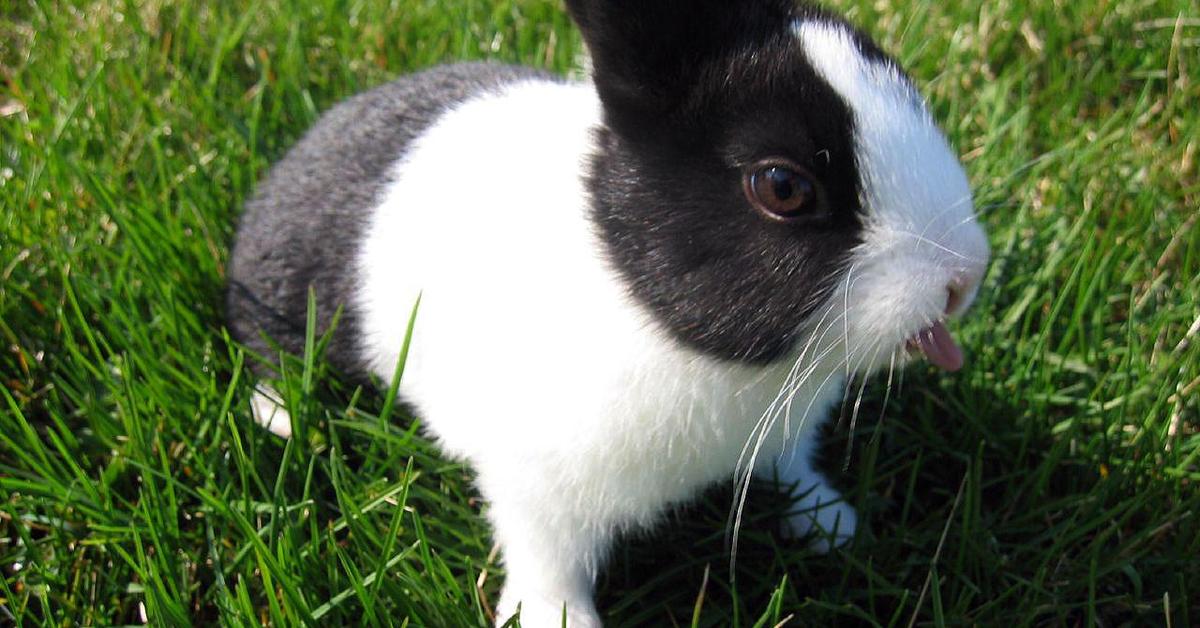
<point x="939" y="347"/>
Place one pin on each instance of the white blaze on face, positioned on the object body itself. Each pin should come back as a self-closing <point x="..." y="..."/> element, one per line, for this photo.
<point x="920" y="240"/>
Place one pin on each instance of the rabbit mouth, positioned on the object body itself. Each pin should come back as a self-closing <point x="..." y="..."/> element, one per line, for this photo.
<point x="938" y="346"/>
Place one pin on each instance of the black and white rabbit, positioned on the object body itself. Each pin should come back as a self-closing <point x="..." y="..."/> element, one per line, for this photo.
<point x="631" y="287"/>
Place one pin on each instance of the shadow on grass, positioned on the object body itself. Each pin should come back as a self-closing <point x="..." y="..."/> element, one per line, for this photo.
<point x="970" y="510"/>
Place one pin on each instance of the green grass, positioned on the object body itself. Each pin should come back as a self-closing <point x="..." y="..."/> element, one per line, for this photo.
<point x="1053" y="481"/>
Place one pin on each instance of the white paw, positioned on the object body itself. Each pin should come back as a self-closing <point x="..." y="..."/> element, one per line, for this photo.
<point x="268" y="412"/>
<point x="823" y="513"/>
<point x="542" y="614"/>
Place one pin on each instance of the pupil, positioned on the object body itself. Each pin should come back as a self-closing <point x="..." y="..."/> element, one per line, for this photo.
<point x="783" y="184"/>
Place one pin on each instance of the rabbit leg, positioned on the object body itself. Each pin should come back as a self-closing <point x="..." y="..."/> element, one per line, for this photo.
<point x="818" y="508"/>
<point x="549" y="558"/>
<point x="267" y="407"/>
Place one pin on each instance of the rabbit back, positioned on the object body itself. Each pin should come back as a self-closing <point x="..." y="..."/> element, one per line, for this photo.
<point x="304" y="225"/>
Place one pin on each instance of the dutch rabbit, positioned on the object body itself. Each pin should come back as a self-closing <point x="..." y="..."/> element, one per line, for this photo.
<point x="632" y="287"/>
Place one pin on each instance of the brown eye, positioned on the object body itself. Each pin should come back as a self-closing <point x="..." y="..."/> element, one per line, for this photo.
<point x="781" y="191"/>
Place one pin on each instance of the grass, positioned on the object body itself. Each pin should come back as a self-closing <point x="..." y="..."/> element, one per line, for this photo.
<point x="1053" y="481"/>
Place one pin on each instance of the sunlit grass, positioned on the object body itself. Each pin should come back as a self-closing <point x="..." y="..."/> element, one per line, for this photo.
<point x="1053" y="481"/>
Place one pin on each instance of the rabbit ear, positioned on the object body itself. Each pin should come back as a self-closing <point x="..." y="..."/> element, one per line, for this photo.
<point x="647" y="54"/>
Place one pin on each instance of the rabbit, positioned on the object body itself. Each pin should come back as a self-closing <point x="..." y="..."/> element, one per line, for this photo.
<point x="632" y="286"/>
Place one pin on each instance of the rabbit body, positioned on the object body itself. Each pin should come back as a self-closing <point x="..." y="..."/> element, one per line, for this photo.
<point x="606" y="326"/>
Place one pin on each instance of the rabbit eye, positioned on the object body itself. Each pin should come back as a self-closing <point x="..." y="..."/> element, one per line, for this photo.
<point x="781" y="191"/>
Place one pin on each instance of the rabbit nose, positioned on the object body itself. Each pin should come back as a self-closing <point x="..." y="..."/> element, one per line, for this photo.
<point x="954" y="299"/>
<point x="960" y="292"/>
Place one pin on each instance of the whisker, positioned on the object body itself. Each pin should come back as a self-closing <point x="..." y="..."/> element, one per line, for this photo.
<point x="887" y="389"/>
<point x="742" y="491"/>
<point x="982" y="211"/>
<point x="788" y="389"/>
<point x="857" y="406"/>
<point x="966" y="198"/>
<point x="812" y="400"/>
<point x="970" y="218"/>
<point x="816" y="336"/>
<point x="798" y="378"/>
<point x="923" y="240"/>
<point x="846" y="320"/>
<point x="744" y="469"/>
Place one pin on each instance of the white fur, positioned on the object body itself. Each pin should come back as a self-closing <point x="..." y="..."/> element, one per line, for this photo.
<point x="921" y="239"/>
<point x="580" y="415"/>
<point x="268" y="411"/>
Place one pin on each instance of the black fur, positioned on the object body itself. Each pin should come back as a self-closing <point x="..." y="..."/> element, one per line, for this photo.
<point x="694" y="94"/>
<point x="304" y="226"/>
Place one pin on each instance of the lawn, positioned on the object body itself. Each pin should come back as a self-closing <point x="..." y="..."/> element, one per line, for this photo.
<point x="1054" y="481"/>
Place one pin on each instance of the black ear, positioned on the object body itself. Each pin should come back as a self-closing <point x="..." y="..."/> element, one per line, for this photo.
<point x="647" y="55"/>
